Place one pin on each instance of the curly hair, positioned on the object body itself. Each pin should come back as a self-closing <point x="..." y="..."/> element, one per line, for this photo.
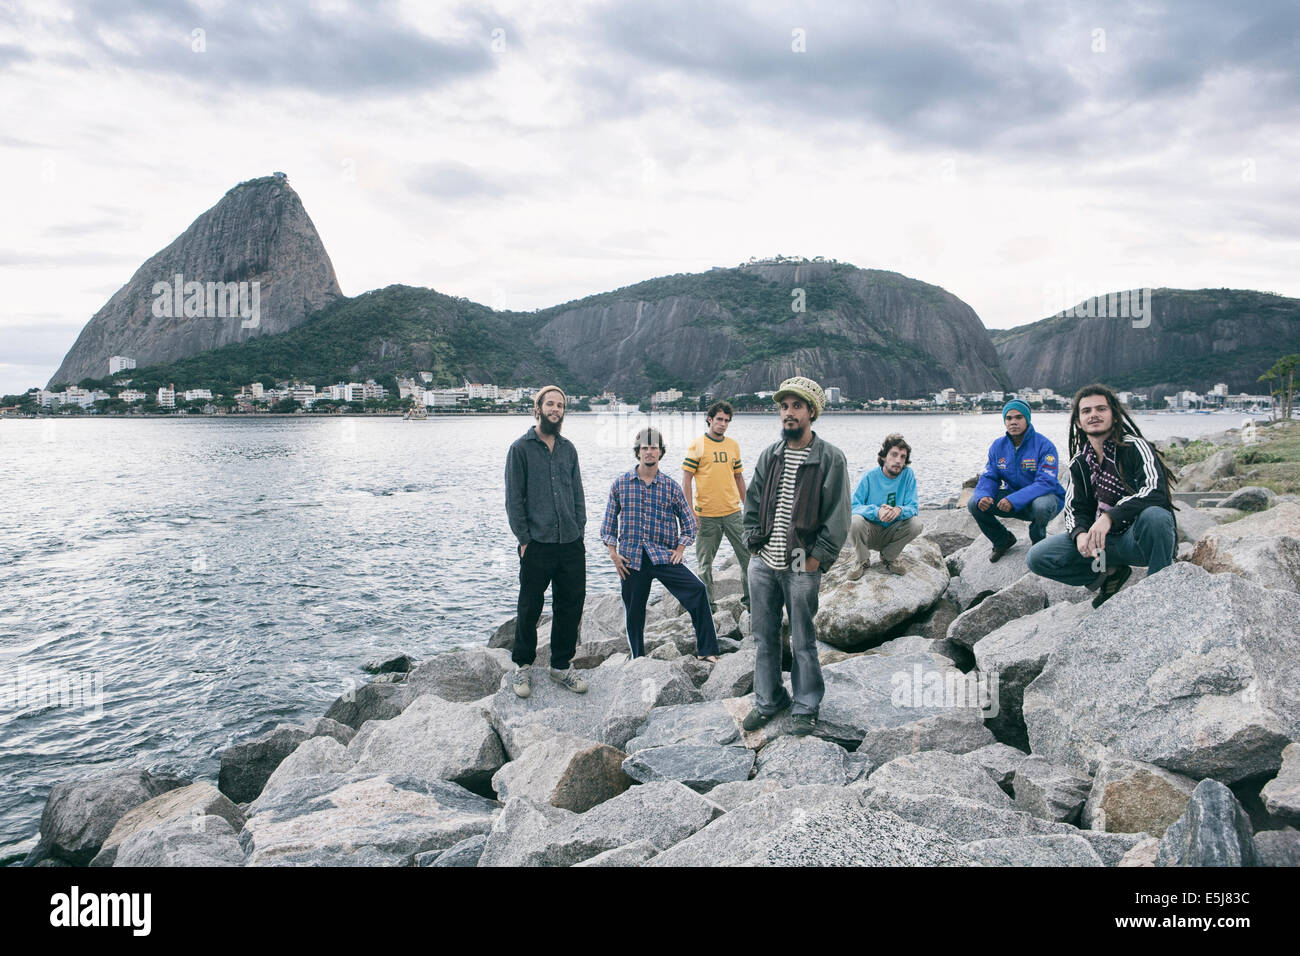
<point x="894" y="441"/>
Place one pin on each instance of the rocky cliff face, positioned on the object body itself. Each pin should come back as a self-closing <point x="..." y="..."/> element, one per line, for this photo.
<point x="258" y="233"/>
<point x="1191" y="339"/>
<point x="736" y="330"/>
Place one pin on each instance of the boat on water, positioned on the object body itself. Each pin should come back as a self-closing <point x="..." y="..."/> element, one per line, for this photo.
<point x="416" y="413"/>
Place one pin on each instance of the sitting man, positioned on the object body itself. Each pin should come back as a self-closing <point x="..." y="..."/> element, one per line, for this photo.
<point x="1119" y="513"/>
<point x="884" y="509"/>
<point x="648" y="524"/>
<point x="1019" y="481"/>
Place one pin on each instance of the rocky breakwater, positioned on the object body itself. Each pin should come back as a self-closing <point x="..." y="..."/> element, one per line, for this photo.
<point x="974" y="715"/>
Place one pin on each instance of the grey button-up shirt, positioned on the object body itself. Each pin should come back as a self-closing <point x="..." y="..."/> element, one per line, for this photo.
<point x="544" y="500"/>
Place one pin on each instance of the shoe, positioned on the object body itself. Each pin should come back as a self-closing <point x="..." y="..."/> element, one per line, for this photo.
<point x="1034" y="539"/>
<point x="1001" y="550"/>
<point x="801" y="725"/>
<point x="895" y="567"/>
<point x="522" y="682"/>
<point x="566" y="678"/>
<point x="1110" y="587"/>
<point x="754" y="720"/>
<point x="859" y="570"/>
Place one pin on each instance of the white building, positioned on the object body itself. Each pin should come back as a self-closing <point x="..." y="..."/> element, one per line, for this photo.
<point x="255" y="389"/>
<point x="167" y="397"/>
<point x="303" y="394"/>
<point x="481" y="391"/>
<point x="833" y="395"/>
<point x="192" y="394"/>
<point x="131" y="395"/>
<point x="444" y="397"/>
<point x="372" y="390"/>
<point x="664" y="397"/>
<point x="118" y="363"/>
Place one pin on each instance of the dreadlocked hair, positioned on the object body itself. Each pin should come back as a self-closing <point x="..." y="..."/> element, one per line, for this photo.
<point x="1122" y="427"/>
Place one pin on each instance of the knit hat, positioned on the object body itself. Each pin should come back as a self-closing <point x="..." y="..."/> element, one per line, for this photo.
<point x="1016" y="405"/>
<point x="806" y="389"/>
<point x="541" y="393"/>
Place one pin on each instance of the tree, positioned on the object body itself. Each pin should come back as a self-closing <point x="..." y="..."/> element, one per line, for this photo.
<point x="1284" y="371"/>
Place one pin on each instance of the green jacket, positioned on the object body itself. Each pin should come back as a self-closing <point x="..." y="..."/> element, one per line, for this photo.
<point x="820" y="513"/>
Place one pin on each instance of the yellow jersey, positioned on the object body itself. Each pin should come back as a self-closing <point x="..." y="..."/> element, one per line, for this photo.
<point x="715" y="463"/>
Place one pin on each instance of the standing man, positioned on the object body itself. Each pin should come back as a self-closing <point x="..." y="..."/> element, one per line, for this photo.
<point x="796" y="520"/>
<point x="1018" y="482"/>
<point x="547" y="514"/>
<point x="714" y="460"/>
<point x="1119" y="513"/>
<point x="648" y="524"/>
<point x="884" y="508"/>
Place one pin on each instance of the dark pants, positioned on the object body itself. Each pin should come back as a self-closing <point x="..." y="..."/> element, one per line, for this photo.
<point x="1038" y="513"/>
<point x="564" y="568"/>
<point x="684" y="586"/>
<point x="1149" y="542"/>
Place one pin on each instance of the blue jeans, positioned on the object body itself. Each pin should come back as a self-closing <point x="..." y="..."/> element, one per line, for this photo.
<point x="1038" y="512"/>
<point x="797" y="592"/>
<point x="1148" y="543"/>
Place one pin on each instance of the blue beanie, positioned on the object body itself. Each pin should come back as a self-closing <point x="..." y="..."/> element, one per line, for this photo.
<point x="1017" y="405"/>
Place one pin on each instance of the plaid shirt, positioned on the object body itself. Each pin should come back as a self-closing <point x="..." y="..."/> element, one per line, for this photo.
<point x="647" y="516"/>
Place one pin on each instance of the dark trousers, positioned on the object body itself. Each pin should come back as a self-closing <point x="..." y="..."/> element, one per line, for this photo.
<point x="681" y="584"/>
<point x="562" y="567"/>
<point x="1038" y="513"/>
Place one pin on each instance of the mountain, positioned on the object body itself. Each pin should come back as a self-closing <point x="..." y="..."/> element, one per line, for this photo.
<point x="258" y="235"/>
<point x="1191" y="339"/>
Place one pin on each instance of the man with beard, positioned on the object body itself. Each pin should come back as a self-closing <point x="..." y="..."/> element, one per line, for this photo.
<point x="1118" y="512"/>
<point x="796" y="520"/>
<point x="884" y="509"/>
<point x="547" y="514"/>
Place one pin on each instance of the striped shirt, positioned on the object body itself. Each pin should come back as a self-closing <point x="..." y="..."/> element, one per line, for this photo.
<point x="773" y="553"/>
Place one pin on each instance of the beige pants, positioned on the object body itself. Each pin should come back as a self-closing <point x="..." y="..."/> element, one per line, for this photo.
<point x="889" y="540"/>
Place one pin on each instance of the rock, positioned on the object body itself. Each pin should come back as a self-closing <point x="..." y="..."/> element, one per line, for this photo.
<point x="665" y="652"/>
<point x="1194" y="522"/>
<point x="182" y="841"/>
<point x="1113" y="847"/>
<point x="850" y="613"/>
<point x="1129" y="796"/>
<point x="1250" y="498"/>
<point x="1281" y="795"/>
<point x="1278" y="847"/>
<point x="80" y="815"/>
<point x="634" y="854"/>
<point x="361" y="819"/>
<point x="909" y="644"/>
<point x="435" y="740"/>
<point x="713" y="723"/>
<point x="1215" y="831"/>
<point x="744" y="831"/>
<point x="461" y="676"/>
<point x="1048" y="791"/>
<point x="373" y="701"/>
<point x="937" y="771"/>
<point x="963" y="819"/>
<point x="463" y="854"/>
<point x="190" y="803"/>
<point x="397" y="664"/>
<point x="1143" y="853"/>
<point x="533" y="834"/>
<point x="724" y="624"/>
<point x="565" y="772"/>
<point x="999" y="761"/>
<point x="1056" y="850"/>
<point x="1263" y="548"/>
<point x="934" y="624"/>
<point x="951" y="529"/>
<point x="731" y="795"/>
<point x="314" y="756"/>
<point x="1016" y="653"/>
<point x="899" y="703"/>
<point x="974" y="578"/>
<point x="798" y="761"/>
<point x="858" y="767"/>
<point x="1195" y="672"/>
<point x="700" y="768"/>
<point x="1202" y="475"/>
<point x="732" y="676"/>
<point x="1023" y="597"/>
<point x="845" y="833"/>
<point x="390" y="678"/>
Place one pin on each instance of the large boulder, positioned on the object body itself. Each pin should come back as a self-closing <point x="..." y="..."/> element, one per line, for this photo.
<point x="633" y="854"/>
<point x="461" y="675"/>
<point x="246" y="767"/>
<point x="951" y="529"/>
<point x="1129" y="796"/>
<point x="1215" y="831"/>
<point x="1263" y="548"/>
<point x="700" y="768"/>
<point x="565" y="772"/>
<point x="1198" y="673"/>
<point x="1048" y="791"/>
<point x="732" y="676"/>
<point x="974" y="578"/>
<point x="80" y="815"/>
<point x="937" y="771"/>
<point x="377" y="700"/>
<point x="182" y="841"/>
<point x="850" y="613"/>
<point x="313" y="756"/>
<point x="1250" y="498"/>
<point x="845" y="833"/>
<point x="433" y="739"/>
<point x="1278" y="847"/>
<point x="1000" y="761"/>
<point x="710" y="723"/>
<point x="1281" y="795"/>
<point x="798" y="761"/>
<point x="466" y="853"/>
<point x="1024" y="596"/>
<point x="962" y="818"/>
<point x="534" y="834"/>
<point x="1203" y="475"/>
<point x="361" y="819"/>
<point x="189" y="804"/>
<point x="1065" y="849"/>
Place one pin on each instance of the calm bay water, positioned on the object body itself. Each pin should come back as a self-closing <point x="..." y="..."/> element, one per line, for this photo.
<point x="171" y="587"/>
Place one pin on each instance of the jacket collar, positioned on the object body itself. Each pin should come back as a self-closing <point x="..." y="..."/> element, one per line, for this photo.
<point x="814" y="449"/>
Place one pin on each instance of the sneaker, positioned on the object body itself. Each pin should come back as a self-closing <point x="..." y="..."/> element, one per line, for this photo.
<point x="859" y="570"/>
<point x="754" y="720"/>
<point x="1110" y="587"/>
<point x="566" y="678"/>
<point x="801" y="725"/>
<point x="895" y="567"/>
<point x="1001" y="550"/>
<point x="522" y="682"/>
<point x="1035" y="535"/>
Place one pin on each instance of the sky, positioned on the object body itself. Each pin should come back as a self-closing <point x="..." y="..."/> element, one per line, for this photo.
<point x="1022" y="155"/>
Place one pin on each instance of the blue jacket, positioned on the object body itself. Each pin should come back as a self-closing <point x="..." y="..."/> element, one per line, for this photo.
<point x="874" y="490"/>
<point x="1028" y="472"/>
